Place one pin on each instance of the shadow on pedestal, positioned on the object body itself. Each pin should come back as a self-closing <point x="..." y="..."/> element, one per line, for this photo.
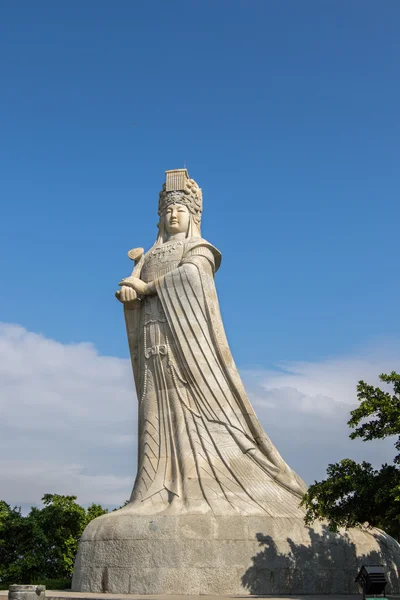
<point x="328" y="565"/>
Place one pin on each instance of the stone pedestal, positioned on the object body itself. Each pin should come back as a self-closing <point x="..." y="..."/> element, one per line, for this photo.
<point x="203" y="554"/>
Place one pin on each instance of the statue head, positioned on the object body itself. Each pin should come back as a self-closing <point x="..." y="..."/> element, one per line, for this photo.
<point x="179" y="191"/>
<point x="176" y="218"/>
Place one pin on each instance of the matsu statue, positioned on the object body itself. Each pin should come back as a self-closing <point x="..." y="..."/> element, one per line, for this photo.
<point x="210" y="486"/>
<point x="201" y="446"/>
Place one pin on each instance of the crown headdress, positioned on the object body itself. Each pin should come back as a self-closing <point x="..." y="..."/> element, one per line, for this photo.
<point x="180" y="189"/>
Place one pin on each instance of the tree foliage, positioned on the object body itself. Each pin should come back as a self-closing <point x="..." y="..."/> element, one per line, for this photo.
<point x="383" y="407"/>
<point x="42" y="545"/>
<point x="354" y="494"/>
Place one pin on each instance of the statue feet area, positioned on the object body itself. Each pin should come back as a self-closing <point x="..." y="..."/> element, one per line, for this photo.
<point x="127" y="552"/>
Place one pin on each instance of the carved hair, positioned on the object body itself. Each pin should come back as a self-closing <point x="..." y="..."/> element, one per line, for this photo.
<point x="191" y="197"/>
<point x="180" y="189"/>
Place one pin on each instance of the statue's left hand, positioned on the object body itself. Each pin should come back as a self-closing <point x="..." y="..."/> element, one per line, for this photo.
<point x="137" y="284"/>
<point x="126" y="295"/>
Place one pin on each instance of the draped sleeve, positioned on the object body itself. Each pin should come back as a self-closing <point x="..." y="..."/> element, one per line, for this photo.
<point x="190" y="303"/>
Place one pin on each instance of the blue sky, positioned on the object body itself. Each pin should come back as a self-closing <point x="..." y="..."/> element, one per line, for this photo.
<point x="287" y="115"/>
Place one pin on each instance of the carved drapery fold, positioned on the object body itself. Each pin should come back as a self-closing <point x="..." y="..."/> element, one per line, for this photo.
<point x="201" y="446"/>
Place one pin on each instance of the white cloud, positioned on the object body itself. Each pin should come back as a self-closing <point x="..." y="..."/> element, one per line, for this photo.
<point x="68" y="416"/>
<point x="67" y="421"/>
<point x="305" y="406"/>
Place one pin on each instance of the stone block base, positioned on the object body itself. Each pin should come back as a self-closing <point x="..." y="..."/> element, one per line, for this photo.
<point x="126" y="553"/>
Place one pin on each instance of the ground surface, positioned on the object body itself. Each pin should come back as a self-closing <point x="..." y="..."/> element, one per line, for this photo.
<point x="60" y="595"/>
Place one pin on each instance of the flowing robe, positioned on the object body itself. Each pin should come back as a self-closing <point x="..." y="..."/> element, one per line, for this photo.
<point x="201" y="447"/>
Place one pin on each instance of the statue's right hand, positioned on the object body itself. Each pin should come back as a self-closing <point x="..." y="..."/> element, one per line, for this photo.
<point x="125" y="294"/>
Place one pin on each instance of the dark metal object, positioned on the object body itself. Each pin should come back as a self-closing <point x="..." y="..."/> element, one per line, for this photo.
<point x="372" y="579"/>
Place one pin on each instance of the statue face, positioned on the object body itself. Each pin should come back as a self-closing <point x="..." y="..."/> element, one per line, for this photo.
<point x="176" y="219"/>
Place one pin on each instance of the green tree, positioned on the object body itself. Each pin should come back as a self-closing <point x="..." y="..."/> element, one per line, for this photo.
<point x="42" y="546"/>
<point x="383" y="407"/>
<point x="354" y="494"/>
<point x="15" y="532"/>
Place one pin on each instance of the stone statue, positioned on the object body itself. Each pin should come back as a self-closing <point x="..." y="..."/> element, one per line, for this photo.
<point x="201" y="446"/>
<point x="209" y="479"/>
